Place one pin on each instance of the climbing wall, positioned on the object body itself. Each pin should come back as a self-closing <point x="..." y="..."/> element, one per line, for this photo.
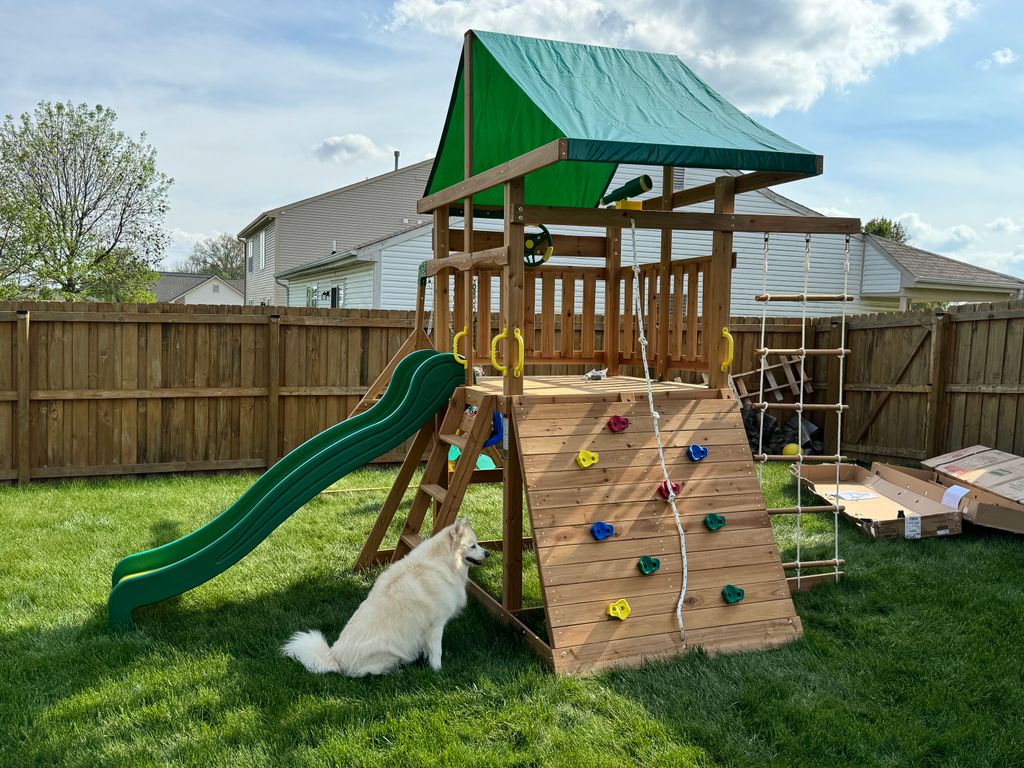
<point x="581" y="575"/>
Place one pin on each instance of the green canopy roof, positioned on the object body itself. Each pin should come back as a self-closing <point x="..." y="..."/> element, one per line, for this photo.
<point x="614" y="106"/>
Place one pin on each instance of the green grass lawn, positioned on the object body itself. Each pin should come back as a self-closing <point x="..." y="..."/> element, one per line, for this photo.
<point x="914" y="660"/>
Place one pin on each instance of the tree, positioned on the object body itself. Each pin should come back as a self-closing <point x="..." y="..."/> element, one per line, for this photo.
<point x="87" y="204"/>
<point x="890" y="229"/>
<point x="223" y="256"/>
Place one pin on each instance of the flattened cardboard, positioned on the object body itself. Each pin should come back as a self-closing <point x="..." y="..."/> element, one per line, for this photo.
<point x="995" y="480"/>
<point x="891" y="498"/>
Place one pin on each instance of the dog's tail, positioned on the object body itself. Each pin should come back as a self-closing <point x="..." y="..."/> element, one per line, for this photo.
<point x="311" y="650"/>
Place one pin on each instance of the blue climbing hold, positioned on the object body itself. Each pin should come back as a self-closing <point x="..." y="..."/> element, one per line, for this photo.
<point x="497" y="430"/>
<point x="696" y="452"/>
<point x="601" y="531"/>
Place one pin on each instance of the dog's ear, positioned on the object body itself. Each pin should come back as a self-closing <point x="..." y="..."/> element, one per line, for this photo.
<point x="456" y="531"/>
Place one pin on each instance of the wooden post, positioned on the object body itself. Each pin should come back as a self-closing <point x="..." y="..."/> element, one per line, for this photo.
<point x="665" y="275"/>
<point x="832" y="388"/>
<point x="512" y="499"/>
<point x="716" y="316"/>
<point x="612" y="297"/>
<point x="24" y="385"/>
<point x="441" y="339"/>
<point x="940" y="355"/>
<point x="273" y="387"/>
<point x="467" y="168"/>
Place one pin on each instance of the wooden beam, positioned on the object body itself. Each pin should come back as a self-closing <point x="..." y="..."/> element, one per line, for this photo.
<point x="441" y="340"/>
<point x="612" y="294"/>
<point x="615" y="217"/>
<point x="718" y="280"/>
<point x="936" y="433"/>
<point x="491" y="258"/>
<point x="24" y="466"/>
<point x="534" y="160"/>
<point x="273" y="387"/>
<point x="665" y="274"/>
<point x="746" y="183"/>
<point x="580" y="246"/>
<point x="504" y="615"/>
<point x="464" y="279"/>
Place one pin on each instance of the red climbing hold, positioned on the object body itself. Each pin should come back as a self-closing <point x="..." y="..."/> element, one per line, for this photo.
<point x="665" y="491"/>
<point x="618" y="423"/>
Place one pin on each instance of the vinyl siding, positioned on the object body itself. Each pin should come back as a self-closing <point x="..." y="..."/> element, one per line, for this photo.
<point x="204" y="294"/>
<point x="400" y="261"/>
<point x="881" y="276"/>
<point x="350" y="217"/>
<point x="259" y="284"/>
<point x="355" y="279"/>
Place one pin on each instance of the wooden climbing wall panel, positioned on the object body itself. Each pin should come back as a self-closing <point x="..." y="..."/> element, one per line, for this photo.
<point x="581" y="576"/>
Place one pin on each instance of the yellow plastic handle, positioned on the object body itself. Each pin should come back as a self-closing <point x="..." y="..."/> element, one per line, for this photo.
<point x="730" y="346"/>
<point x="518" y="370"/>
<point x="494" y="353"/>
<point x="455" y="347"/>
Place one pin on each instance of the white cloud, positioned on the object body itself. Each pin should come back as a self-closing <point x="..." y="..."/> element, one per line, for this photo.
<point x="1004" y="224"/>
<point x="827" y="210"/>
<point x="999" y="58"/>
<point x="943" y="240"/>
<point x="351" y="146"/>
<point x="764" y="56"/>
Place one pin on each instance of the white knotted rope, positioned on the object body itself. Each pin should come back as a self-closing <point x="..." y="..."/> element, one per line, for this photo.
<point x="655" y="417"/>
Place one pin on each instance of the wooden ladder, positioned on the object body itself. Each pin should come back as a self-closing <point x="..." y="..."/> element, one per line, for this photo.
<point x="468" y="434"/>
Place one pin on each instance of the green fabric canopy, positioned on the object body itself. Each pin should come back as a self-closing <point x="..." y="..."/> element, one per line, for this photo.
<point x="614" y="106"/>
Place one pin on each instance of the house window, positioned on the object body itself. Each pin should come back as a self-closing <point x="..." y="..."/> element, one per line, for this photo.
<point x="263" y="249"/>
<point x="216" y="288"/>
<point x="248" y="254"/>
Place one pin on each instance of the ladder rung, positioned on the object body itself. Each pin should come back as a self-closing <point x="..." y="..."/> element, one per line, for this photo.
<point x="763" y="351"/>
<point x="800" y="408"/>
<point x="816" y="508"/>
<point x="800" y="458"/>
<point x="813" y="564"/>
<point x="435" y="491"/>
<point x="804" y="297"/>
<point x="459" y="441"/>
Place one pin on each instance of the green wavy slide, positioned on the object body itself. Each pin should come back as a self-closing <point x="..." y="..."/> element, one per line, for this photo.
<point x="421" y="384"/>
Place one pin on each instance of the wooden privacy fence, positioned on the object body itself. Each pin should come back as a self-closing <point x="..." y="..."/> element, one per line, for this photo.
<point x="102" y="389"/>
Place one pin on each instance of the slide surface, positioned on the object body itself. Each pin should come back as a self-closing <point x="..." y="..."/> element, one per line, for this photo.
<point x="422" y="383"/>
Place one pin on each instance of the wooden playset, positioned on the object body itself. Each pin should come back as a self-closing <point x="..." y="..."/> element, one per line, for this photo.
<point x="649" y="526"/>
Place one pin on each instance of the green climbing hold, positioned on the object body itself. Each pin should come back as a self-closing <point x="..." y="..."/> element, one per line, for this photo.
<point x="648" y="565"/>
<point x="713" y="522"/>
<point x="732" y="594"/>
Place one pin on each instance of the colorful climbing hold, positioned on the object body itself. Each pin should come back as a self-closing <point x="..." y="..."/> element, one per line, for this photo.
<point x="619" y="609"/>
<point x="601" y="531"/>
<point x="665" y="490"/>
<point x="648" y="565"/>
<point x="696" y="452"/>
<point x="586" y="459"/>
<point x="732" y="594"/>
<point x="618" y="423"/>
<point x="713" y="522"/>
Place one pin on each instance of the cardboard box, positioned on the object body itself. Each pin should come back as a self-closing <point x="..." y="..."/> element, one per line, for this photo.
<point x="993" y="483"/>
<point x="888" y="501"/>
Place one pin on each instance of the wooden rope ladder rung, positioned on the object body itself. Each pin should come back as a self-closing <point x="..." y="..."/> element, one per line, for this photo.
<point x="800" y="297"/>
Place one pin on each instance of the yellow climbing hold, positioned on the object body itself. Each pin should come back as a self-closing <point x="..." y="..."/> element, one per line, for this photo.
<point x="619" y="609"/>
<point x="586" y="459"/>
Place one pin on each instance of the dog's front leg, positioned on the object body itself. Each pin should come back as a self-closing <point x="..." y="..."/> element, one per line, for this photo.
<point x="434" y="646"/>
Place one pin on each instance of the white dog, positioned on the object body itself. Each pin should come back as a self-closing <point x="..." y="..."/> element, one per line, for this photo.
<point x="404" y="615"/>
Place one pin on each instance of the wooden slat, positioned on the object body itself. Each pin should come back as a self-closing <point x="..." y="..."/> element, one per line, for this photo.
<point x="588" y="332"/>
<point x="547" y="328"/>
<point x="746" y="183"/>
<point x="582" y="246"/>
<point x="492" y="258"/>
<point x="568" y="321"/>
<point x="687" y="505"/>
<point x="518" y="167"/>
<point x="722" y="222"/>
<point x="680" y="469"/>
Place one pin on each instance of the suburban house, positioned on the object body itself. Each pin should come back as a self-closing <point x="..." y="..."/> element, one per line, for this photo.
<point x="361" y="246"/>
<point x="324" y="226"/>
<point x="189" y="288"/>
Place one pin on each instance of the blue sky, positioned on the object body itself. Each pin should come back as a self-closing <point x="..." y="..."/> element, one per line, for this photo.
<point x="917" y="105"/>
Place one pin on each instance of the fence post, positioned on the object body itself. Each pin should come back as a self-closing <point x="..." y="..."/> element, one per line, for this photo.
<point x="832" y="394"/>
<point x="273" y="387"/>
<point x="936" y="435"/>
<point x="24" y="382"/>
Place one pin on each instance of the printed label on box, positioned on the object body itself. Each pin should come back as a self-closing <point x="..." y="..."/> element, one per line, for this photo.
<point x="912" y="527"/>
<point x="951" y="498"/>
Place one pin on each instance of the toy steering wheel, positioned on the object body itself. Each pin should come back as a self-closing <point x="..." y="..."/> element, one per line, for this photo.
<point x="538" y="247"/>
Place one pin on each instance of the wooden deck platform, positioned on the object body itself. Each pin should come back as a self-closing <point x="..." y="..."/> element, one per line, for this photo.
<point x="551" y="386"/>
